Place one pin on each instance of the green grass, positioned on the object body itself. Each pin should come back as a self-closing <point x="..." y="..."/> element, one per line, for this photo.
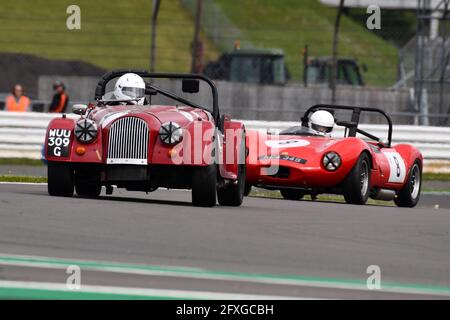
<point x="113" y="34"/>
<point x="21" y="162"/>
<point x="291" y="24"/>
<point x="29" y="179"/>
<point x="436" y="176"/>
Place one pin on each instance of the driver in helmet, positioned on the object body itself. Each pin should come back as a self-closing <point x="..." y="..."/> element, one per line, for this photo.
<point x="130" y="87"/>
<point x="321" y="123"/>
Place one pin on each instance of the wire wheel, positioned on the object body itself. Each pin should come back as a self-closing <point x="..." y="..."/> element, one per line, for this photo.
<point x="414" y="184"/>
<point x="356" y="186"/>
<point x="409" y="195"/>
<point x="364" y="178"/>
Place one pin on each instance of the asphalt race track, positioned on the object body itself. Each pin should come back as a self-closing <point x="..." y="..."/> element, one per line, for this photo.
<point x="159" y="245"/>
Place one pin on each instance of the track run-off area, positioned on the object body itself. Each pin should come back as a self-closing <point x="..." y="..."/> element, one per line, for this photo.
<point x="158" y="246"/>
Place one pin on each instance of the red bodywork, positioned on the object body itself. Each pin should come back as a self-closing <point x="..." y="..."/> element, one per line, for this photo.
<point x="311" y="174"/>
<point x="197" y="123"/>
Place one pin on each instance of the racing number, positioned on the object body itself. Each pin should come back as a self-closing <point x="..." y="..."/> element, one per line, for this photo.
<point x="398" y="166"/>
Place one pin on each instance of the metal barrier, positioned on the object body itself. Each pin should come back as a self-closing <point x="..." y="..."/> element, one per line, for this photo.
<point x="22" y="135"/>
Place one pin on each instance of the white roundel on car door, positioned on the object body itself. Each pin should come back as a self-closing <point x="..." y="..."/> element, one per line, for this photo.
<point x="397" y="166"/>
<point x="290" y="143"/>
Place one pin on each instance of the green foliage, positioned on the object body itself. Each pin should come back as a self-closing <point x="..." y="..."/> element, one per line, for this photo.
<point x="292" y="24"/>
<point x="114" y="34"/>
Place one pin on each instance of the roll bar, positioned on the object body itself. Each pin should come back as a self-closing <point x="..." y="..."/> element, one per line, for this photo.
<point x="355" y="118"/>
<point x="101" y="85"/>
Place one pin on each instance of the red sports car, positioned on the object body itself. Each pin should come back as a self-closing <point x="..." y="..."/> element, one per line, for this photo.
<point x="299" y="161"/>
<point x="126" y="141"/>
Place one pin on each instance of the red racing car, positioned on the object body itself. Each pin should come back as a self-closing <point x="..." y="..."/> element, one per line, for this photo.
<point x="307" y="160"/>
<point x="126" y="141"/>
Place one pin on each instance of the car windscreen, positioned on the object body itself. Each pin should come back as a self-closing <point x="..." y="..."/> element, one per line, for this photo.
<point x="297" y="131"/>
<point x="203" y="97"/>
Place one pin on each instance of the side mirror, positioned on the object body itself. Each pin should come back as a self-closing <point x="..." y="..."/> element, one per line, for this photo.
<point x="347" y="124"/>
<point x="150" y="92"/>
<point x="79" y="109"/>
<point x="190" y="85"/>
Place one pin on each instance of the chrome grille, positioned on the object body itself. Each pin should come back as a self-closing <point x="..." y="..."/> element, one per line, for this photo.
<point x="128" y="141"/>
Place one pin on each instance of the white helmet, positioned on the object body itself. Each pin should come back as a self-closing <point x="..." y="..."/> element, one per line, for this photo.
<point x="321" y="122"/>
<point x="130" y="86"/>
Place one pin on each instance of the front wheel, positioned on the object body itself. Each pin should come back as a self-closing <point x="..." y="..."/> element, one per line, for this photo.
<point x="410" y="194"/>
<point x="60" y="179"/>
<point x="232" y="194"/>
<point x="357" y="183"/>
<point x="204" y="180"/>
<point x="87" y="183"/>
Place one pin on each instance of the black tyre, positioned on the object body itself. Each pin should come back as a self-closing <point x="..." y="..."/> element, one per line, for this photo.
<point x="87" y="183"/>
<point x="204" y="180"/>
<point x="410" y="194"/>
<point x="60" y="179"/>
<point x="248" y="189"/>
<point x="233" y="193"/>
<point x="291" y="194"/>
<point x="357" y="183"/>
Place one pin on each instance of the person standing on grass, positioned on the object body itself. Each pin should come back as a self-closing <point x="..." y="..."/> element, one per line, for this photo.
<point x="60" y="98"/>
<point x="17" y="101"/>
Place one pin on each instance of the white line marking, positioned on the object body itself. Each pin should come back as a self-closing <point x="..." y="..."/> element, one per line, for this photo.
<point x="210" y="275"/>
<point x="24" y="183"/>
<point x="147" y="292"/>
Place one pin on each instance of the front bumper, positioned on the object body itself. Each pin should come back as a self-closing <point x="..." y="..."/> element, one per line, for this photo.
<point x="296" y="176"/>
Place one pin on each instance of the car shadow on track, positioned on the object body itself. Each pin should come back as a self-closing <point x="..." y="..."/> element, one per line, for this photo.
<point x="141" y="200"/>
<point x="324" y="201"/>
<point x="112" y="198"/>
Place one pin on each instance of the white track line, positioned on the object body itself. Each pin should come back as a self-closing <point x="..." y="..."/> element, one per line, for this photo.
<point x="24" y="183"/>
<point x="146" y="292"/>
<point x="205" y="275"/>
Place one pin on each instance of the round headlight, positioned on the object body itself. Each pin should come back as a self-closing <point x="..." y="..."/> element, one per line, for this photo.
<point x="85" y="130"/>
<point x="331" y="161"/>
<point x="170" y="132"/>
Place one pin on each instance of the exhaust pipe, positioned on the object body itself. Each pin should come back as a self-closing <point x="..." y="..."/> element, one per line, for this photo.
<point x="383" y="194"/>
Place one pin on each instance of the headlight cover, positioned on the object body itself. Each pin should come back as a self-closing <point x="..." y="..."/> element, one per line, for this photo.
<point x="331" y="161"/>
<point x="86" y="130"/>
<point x="170" y="133"/>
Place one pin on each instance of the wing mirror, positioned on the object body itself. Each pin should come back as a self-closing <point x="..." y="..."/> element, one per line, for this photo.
<point x="79" y="109"/>
<point x="347" y="124"/>
<point x="150" y="91"/>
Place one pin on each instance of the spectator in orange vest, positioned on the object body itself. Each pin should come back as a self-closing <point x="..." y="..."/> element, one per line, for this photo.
<point x="16" y="101"/>
<point x="60" y="98"/>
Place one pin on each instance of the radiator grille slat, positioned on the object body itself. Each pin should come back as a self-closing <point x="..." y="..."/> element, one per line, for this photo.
<point x="128" y="141"/>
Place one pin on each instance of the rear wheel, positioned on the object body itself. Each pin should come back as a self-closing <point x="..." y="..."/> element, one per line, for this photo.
<point x="232" y="194"/>
<point x="410" y="194"/>
<point x="60" y="179"/>
<point x="87" y="183"/>
<point x="357" y="183"/>
<point x="291" y="194"/>
<point x="204" y="180"/>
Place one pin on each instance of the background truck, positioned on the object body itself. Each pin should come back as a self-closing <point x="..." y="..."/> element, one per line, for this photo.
<point x="259" y="66"/>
